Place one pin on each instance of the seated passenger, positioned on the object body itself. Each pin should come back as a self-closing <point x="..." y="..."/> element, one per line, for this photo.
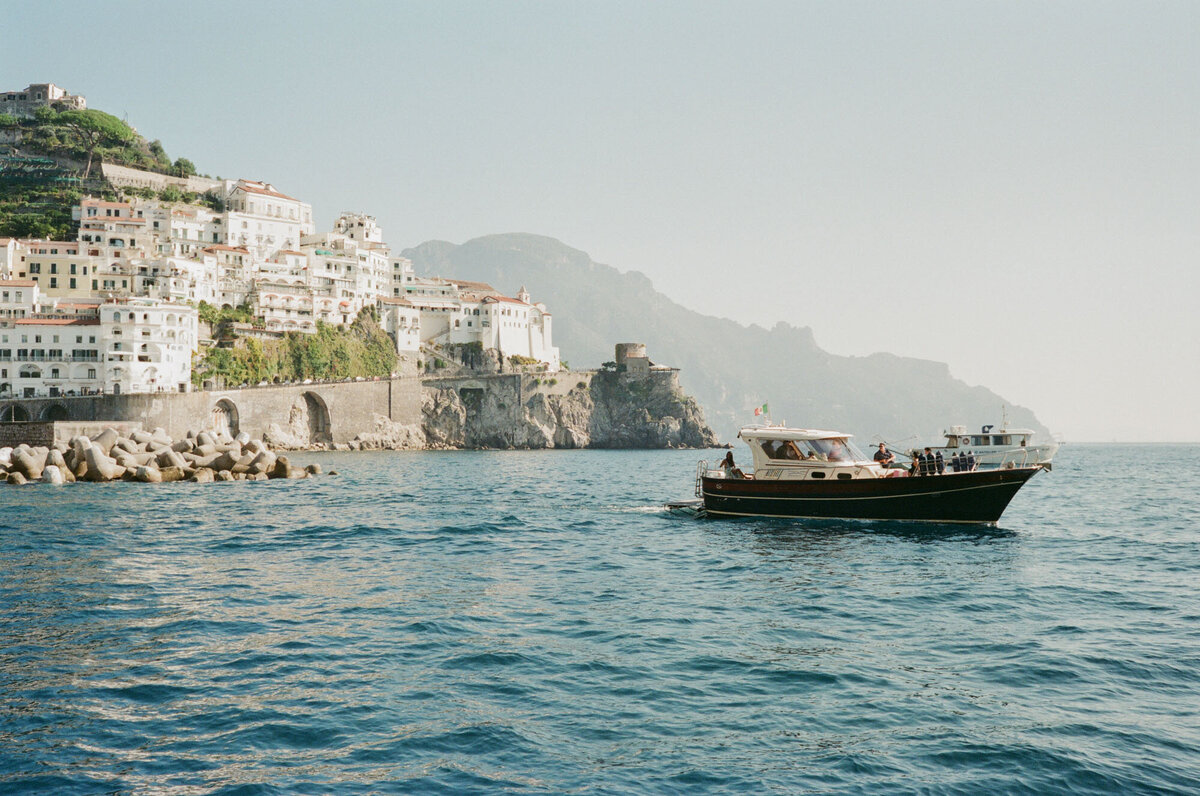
<point x="768" y="448"/>
<point x="731" y="470"/>
<point x="790" y="451"/>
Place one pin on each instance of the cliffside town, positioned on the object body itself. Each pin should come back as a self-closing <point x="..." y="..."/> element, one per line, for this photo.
<point x="118" y="307"/>
<point x="171" y="282"/>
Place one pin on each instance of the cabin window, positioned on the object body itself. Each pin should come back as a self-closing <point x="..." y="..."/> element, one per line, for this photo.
<point x="980" y="441"/>
<point x="818" y="474"/>
<point x="1002" y="439"/>
<point x="844" y="476"/>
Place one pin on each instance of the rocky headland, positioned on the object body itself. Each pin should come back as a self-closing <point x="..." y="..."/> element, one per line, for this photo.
<point x="592" y="409"/>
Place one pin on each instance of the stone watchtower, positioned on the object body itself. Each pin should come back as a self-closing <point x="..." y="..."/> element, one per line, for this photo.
<point x="633" y="357"/>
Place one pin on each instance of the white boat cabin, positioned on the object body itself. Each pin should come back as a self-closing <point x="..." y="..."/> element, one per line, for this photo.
<point x="958" y="437"/>
<point x="793" y="453"/>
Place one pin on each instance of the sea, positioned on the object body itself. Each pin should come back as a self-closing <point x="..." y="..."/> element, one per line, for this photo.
<point x="535" y="622"/>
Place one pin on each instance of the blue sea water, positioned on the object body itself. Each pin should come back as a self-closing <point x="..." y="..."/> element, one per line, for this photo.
<point x="533" y="622"/>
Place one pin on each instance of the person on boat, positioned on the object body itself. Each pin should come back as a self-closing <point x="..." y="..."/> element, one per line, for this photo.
<point x="837" y="451"/>
<point x="918" y="463"/>
<point x="884" y="456"/>
<point x="940" y="463"/>
<point x="731" y="470"/>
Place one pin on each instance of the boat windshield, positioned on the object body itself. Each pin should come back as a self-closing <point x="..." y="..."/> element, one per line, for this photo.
<point x="838" y="449"/>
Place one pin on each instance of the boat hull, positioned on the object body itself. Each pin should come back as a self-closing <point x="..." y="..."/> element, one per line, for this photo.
<point x="975" y="497"/>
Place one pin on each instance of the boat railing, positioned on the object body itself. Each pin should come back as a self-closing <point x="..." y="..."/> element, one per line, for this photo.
<point x="1015" y="458"/>
<point x="701" y="469"/>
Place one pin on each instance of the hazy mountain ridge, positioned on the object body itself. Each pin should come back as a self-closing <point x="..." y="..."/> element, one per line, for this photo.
<point x="728" y="367"/>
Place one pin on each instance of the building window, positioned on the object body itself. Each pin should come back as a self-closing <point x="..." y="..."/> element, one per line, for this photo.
<point x="91" y="373"/>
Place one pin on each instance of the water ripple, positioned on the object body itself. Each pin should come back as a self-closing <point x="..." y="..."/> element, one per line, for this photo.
<point x="534" y="622"/>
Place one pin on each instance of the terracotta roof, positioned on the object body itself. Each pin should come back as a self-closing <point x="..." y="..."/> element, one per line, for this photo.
<point x="73" y="321"/>
<point x="17" y="282"/>
<point x="402" y="302"/>
<point x="102" y="203"/>
<point x="221" y="247"/>
<point x="508" y="300"/>
<point x="250" y="186"/>
<point x="289" y="251"/>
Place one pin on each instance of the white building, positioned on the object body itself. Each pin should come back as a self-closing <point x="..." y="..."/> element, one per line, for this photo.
<point x="115" y="346"/>
<point x="462" y="311"/>
<point x="263" y="220"/>
<point x="18" y="298"/>
<point x="148" y="345"/>
<point x="401" y="319"/>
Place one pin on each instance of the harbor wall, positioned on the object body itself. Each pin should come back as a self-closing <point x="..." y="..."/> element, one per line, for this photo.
<point x="568" y="409"/>
<point x="330" y="412"/>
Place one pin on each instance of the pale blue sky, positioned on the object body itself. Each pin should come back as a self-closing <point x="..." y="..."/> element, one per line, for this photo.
<point x="1012" y="188"/>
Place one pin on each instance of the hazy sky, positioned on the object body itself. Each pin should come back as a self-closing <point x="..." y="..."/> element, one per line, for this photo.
<point x="1011" y="188"/>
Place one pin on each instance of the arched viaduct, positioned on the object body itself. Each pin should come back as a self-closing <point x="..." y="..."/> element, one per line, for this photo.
<point x="321" y="412"/>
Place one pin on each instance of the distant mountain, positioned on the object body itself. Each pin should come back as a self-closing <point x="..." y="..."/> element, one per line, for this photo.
<point x="728" y="367"/>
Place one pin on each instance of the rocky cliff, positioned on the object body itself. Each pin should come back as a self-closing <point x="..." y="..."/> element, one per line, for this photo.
<point x="562" y="410"/>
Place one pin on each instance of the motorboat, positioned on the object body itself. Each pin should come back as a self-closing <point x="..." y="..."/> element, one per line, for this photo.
<point x="801" y="472"/>
<point x="990" y="447"/>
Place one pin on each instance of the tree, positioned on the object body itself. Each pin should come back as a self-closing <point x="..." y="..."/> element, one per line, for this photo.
<point x="184" y="167"/>
<point x="93" y="129"/>
<point x="8" y="120"/>
<point x="28" y="226"/>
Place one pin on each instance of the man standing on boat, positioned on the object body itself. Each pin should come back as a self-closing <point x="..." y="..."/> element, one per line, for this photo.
<point x="884" y="456"/>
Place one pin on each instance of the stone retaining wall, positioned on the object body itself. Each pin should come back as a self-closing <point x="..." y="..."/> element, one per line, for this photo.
<point x="31" y="433"/>
<point x="332" y="413"/>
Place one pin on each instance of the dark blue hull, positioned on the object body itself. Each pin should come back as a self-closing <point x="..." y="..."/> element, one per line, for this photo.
<point x="977" y="497"/>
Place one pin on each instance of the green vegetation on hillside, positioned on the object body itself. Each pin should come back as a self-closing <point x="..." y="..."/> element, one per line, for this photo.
<point x="362" y="349"/>
<point x="84" y="135"/>
<point x="214" y="315"/>
<point x="53" y="163"/>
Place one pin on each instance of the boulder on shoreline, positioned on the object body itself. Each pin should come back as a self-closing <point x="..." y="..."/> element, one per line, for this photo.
<point x="150" y="458"/>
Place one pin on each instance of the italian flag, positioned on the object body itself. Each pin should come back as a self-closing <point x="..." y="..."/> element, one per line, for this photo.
<point x="760" y="410"/>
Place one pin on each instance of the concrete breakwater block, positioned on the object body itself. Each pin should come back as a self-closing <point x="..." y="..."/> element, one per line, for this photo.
<point x="148" y="457"/>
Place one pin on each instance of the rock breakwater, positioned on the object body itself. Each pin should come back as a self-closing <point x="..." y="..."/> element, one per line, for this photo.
<point x="149" y="457"/>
